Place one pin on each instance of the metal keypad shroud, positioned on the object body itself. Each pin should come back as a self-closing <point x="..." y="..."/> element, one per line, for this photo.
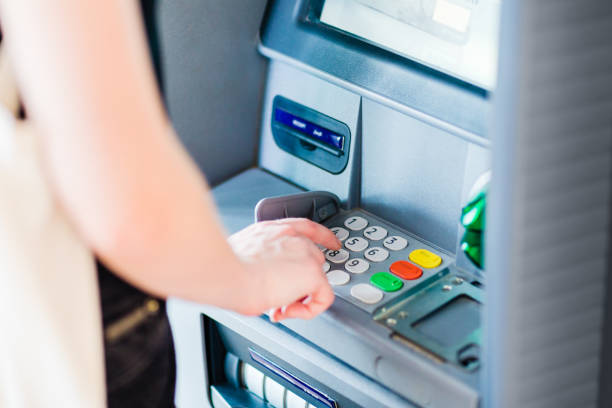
<point x="414" y="243"/>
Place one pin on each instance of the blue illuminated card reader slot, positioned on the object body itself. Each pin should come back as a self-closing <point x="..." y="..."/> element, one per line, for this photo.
<point x="310" y="135"/>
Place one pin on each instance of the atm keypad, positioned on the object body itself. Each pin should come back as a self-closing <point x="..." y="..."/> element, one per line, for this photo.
<point x="377" y="262"/>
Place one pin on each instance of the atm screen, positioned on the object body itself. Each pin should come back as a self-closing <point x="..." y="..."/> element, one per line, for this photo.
<point x="457" y="37"/>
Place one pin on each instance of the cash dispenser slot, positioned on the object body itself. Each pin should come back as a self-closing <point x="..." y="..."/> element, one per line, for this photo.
<point x="310" y="135"/>
<point x="243" y="374"/>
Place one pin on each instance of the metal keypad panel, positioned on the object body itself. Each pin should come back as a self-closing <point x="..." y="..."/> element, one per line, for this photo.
<point x="361" y="272"/>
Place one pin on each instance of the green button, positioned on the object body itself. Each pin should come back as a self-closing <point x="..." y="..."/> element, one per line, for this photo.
<point x="473" y="214"/>
<point x="386" y="282"/>
<point x="471" y="245"/>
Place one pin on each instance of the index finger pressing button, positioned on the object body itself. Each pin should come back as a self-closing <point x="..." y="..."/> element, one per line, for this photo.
<point x="356" y="223"/>
<point x="338" y="256"/>
<point x="340" y="232"/>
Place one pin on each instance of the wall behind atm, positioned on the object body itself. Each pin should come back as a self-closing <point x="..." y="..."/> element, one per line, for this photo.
<point x="214" y="80"/>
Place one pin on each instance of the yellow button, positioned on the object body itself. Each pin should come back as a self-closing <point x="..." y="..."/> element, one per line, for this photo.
<point x="425" y="258"/>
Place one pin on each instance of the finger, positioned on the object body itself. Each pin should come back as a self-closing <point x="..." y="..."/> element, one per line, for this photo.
<point x="321" y="299"/>
<point x="310" y="307"/>
<point x="275" y="314"/>
<point x="317" y="253"/>
<point x="317" y="233"/>
<point x="296" y="310"/>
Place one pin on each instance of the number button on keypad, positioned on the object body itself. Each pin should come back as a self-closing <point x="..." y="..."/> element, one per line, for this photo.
<point x="326" y="267"/>
<point x="356" y="244"/>
<point x="375" y="233"/>
<point x="338" y="256"/>
<point x="340" y="232"/>
<point x="357" y="265"/>
<point x="338" y="278"/>
<point x="366" y="293"/>
<point x="395" y="243"/>
<point x="356" y="223"/>
<point x="376" y="254"/>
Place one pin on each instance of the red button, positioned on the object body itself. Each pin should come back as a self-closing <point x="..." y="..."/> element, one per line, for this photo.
<point x="406" y="270"/>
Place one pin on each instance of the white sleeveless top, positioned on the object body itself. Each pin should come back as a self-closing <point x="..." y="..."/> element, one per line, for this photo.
<point x="51" y="350"/>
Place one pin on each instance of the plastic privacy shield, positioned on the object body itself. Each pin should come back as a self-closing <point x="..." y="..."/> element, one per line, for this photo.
<point x="315" y="205"/>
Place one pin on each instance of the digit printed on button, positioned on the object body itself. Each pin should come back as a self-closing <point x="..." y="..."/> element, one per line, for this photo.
<point x="338" y="278"/>
<point x="395" y="243"/>
<point x="375" y="233"/>
<point x="337" y="256"/>
<point x="340" y="232"/>
<point x="376" y="254"/>
<point x="356" y="223"/>
<point x="356" y="244"/>
<point x="357" y="265"/>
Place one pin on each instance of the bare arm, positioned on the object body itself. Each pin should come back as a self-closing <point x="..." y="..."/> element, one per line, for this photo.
<point x="127" y="183"/>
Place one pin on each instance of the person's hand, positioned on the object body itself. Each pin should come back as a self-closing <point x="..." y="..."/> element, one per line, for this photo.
<point x="285" y="267"/>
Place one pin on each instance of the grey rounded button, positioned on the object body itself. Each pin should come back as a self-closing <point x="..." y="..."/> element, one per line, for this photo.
<point x="356" y="223"/>
<point x="337" y="256"/>
<point x="338" y="278"/>
<point x="395" y="243"/>
<point x="326" y="267"/>
<point x="376" y="254"/>
<point x="356" y="244"/>
<point x="340" y="232"/>
<point x="375" y="233"/>
<point x="366" y="293"/>
<point x="357" y="265"/>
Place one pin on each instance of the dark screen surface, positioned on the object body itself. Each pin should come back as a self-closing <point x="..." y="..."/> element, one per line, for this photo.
<point x="452" y="323"/>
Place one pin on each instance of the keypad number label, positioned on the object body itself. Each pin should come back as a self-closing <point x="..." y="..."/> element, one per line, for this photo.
<point x="357" y="265"/>
<point x="340" y="233"/>
<point x="375" y="233"/>
<point x="356" y="244"/>
<point x="376" y="254"/>
<point x="356" y="223"/>
<point x="338" y="256"/>
<point x="395" y="243"/>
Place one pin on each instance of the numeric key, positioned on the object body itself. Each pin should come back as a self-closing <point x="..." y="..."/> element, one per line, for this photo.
<point x="375" y="233"/>
<point x="356" y="244"/>
<point x="340" y="232"/>
<point x="357" y="265"/>
<point x="376" y="254"/>
<point x="338" y="256"/>
<point x="356" y="223"/>
<point x="395" y="243"/>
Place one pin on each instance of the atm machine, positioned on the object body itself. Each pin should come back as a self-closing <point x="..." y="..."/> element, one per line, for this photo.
<point x="378" y="118"/>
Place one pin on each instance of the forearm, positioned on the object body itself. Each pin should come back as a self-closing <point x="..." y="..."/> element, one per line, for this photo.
<point x="126" y="183"/>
